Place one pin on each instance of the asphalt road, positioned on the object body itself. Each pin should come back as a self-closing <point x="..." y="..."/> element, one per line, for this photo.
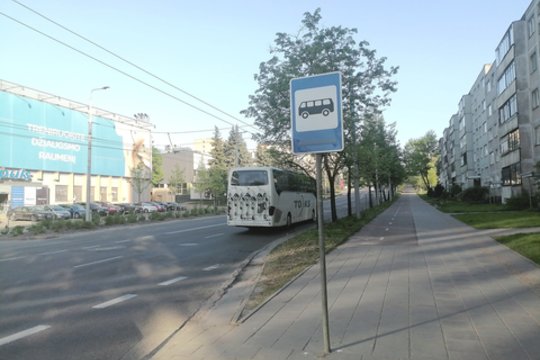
<point x="117" y="293"/>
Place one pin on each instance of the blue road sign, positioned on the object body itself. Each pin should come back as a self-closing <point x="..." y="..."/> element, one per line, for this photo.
<point x="316" y="115"/>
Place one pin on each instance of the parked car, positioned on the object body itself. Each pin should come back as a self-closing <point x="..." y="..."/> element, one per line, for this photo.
<point x="131" y="208"/>
<point x="175" y="206"/>
<point x="77" y="211"/>
<point x="160" y="207"/>
<point x="58" y="211"/>
<point x="111" y="208"/>
<point x="147" y="207"/>
<point x="31" y="213"/>
<point x="96" y="208"/>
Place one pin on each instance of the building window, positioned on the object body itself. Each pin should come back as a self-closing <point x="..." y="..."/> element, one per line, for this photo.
<point x="506" y="78"/>
<point x="114" y="194"/>
<point x="505" y="45"/>
<point x="77" y="193"/>
<point x="537" y="137"/>
<point x="61" y="193"/>
<point x="490" y="110"/>
<point x="511" y="175"/>
<point x="533" y="62"/>
<point x="531" y="26"/>
<point x="102" y="193"/>
<point x="535" y="98"/>
<point x="510" y="142"/>
<point x="508" y="110"/>
<point x="463" y="159"/>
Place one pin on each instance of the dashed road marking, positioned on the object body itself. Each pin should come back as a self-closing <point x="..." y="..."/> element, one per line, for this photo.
<point x="122" y="241"/>
<point x="23" y="334"/>
<point x="213" y="236"/>
<point x="114" y="301"/>
<point x="172" y="281"/>
<point x="109" y="248"/>
<point x="213" y="267"/>
<point x="12" y="258"/>
<point x="192" y="229"/>
<point x="52" y="252"/>
<point x="188" y="244"/>
<point x="98" y="262"/>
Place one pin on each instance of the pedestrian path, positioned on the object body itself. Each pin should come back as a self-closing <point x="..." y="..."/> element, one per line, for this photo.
<point x="413" y="284"/>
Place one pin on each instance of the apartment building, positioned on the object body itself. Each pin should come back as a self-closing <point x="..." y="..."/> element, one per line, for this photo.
<point x="494" y="138"/>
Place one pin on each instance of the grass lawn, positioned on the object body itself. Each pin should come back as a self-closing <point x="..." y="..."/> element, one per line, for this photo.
<point x="454" y="206"/>
<point x="501" y="220"/>
<point x="527" y="245"/>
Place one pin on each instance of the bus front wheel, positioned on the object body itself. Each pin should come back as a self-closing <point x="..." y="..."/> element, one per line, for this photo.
<point x="289" y="220"/>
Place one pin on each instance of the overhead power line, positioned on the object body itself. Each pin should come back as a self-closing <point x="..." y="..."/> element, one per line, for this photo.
<point x="123" y="72"/>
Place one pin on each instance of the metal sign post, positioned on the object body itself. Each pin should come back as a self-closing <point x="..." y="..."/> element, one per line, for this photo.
<point x="317" y="127"/>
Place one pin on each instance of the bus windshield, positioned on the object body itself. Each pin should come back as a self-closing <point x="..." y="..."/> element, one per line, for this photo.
<point x="249" y="178"/>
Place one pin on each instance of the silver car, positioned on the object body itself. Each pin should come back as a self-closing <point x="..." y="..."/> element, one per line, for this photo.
<point x="58" y="211"/>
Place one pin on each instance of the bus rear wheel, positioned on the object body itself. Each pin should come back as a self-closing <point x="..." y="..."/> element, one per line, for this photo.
<point x="313" y="216"/>
<point x="289" y="220"/>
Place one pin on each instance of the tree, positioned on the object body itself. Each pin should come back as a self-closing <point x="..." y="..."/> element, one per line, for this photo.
<point x="177" y="179"/>
<point x="235" y="149"/>
<point x="314" y="50"/>
<point x="140" y="179"/>
<point x="218" y="151"/>
<point x="420" y="156"/>
<point x="157" y="167"/>
<point x="211" y="183"/>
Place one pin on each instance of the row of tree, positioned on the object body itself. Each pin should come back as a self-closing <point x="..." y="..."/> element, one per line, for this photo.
<point x="372" y="155"/>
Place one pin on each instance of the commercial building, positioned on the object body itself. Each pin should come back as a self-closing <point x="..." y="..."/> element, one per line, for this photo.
<point x="44" y="150"/>
<point x="494" y="138"/>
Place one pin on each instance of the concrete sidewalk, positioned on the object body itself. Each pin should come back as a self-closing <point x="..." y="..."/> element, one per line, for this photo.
<point x="413" y="284"/>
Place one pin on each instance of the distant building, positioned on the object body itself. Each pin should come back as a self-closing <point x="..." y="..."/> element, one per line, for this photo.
<point x="44" y="150"/>
<point x="494" y="138"/>
<point x="187" y="161"/>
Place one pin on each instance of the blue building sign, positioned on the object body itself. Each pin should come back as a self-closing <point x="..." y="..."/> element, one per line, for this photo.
<point x="316" y="114"/>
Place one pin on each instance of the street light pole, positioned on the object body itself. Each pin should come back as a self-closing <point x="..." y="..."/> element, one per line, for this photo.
<point x="89" y="161"/>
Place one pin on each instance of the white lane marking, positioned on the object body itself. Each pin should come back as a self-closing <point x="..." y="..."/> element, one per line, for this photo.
<point x="109" y="248"/>
<point x="213" y="236"/>
<point x="146" y="237"/>
<point x="23" y="334"/>
<point x="213" y="267"/>
<point x="114" y="301"/>
<point x="98" y="262"/>
<point x="172" y="281"/>
<point x="188" y="244"/>
<point x="90" y="247"/>
<point x="122" y="241"/>
<point x="193" y="229"/>
<point x="387" y="229"/>
<point x="12" y="258"/>
<point x="52" y="252"/>
<point x="381" y="238"/>
<point x="390" y="223"/>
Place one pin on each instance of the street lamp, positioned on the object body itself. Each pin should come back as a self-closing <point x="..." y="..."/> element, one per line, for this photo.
<point x="89" y="162"/>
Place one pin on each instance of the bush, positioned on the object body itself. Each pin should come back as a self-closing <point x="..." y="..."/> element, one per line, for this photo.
<point x="455" y="190"/>
<point x="17" y="230"/>
<point x="5" y="231"/>
<point x="88" y="225"/>
<point x="519" y="202"/>
<point x="37" y="228"/>
<point x="474" y="194"/>
<point x="132" y="218"/>
<point x="57" y="226"/>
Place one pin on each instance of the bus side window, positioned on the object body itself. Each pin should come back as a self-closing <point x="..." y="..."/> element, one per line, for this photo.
<point x="234" y="178"/>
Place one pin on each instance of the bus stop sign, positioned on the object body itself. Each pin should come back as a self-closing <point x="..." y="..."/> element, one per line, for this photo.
<point x="316" y="115"/>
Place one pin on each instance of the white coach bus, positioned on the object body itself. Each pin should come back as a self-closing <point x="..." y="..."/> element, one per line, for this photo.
<point x="269" y="197"/>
